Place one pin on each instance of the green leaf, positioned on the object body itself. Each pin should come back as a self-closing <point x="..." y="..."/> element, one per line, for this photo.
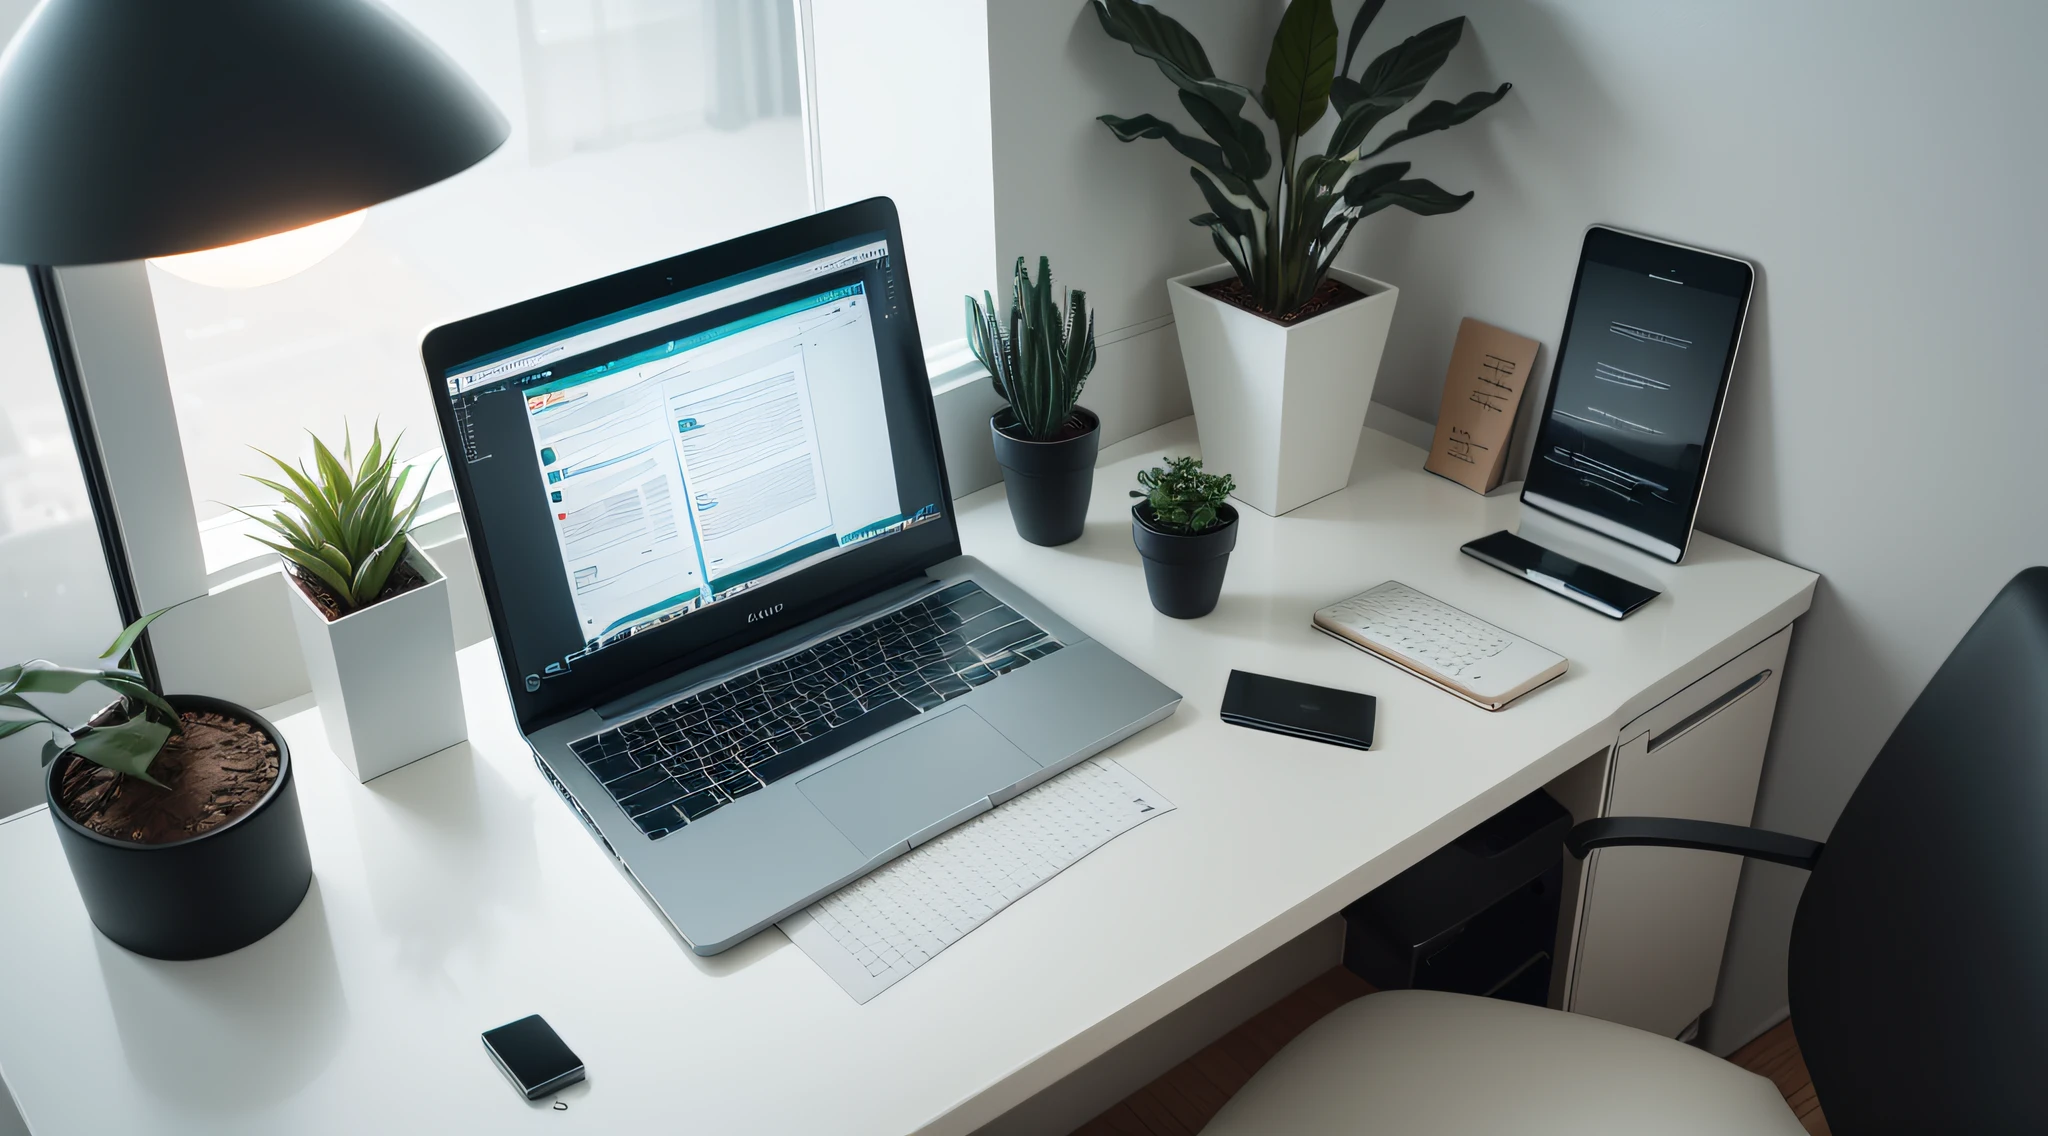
<point x="1363" y="20"/>
<point x="371" y="577"/>
<point x="1400" y="73"/>
<point x="310" y="563"/>
<point x="1166" y="42"/>
<point x="9" y="729"/>
<point x="41" y="677"/>
<point x="125" y="747"/>
<point x="1151" y="126"/>
<point x="333" y="475"/>
<point x="1300" y="67"/>
<point x="1442" y="115"/>
<point x="1242" y="142"/>
<point x="1367" y="182"/>
<point x="118" y="649"/>
<point x="1419" y="196"/>
<point x="132" y="687"/>
<point x="1234" y="215"/>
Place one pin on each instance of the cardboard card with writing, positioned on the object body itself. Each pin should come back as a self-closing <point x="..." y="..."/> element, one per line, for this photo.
<point x="1489" y="371"/>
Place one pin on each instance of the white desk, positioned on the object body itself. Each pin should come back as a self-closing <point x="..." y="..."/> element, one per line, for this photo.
<point x="459" y="893"/>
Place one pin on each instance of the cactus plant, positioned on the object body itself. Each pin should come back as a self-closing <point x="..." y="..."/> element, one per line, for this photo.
<point x="1040" y="357"/>
<point x="1282" y="245"/>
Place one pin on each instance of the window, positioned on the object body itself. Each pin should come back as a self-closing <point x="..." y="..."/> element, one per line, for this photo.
<point x="55" y="602"/>
<point x="640" y="129"/>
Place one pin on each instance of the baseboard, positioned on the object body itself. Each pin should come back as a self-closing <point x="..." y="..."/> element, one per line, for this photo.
<point x="1722" y="1042"/>
<point x="1083" y="1094"/>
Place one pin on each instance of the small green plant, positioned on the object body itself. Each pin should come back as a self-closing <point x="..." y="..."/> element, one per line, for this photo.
<point x="1041" y="356"/>
<point x="1281" y="239"/>
<point x="136" y="726"/>
<point x="1182" y="498"/>
<point x="353" y="517"/>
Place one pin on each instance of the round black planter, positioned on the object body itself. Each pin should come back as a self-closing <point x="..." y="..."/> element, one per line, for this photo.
<point x="202" y="896"/>
<point x="1048" y="482"/>
<point x="1184" y="573"/>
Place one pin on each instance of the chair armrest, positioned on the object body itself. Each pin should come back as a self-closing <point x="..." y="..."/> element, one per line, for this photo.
<point x="1662" y="832"/>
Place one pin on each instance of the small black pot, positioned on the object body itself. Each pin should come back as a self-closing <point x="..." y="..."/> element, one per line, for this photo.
<point x="1184" y="573"/>
<point x="1048" y="482"/>
<point x="202" y="896"/>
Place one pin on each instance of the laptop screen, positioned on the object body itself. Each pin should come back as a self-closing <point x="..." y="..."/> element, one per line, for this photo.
<point x="654" y="472"/>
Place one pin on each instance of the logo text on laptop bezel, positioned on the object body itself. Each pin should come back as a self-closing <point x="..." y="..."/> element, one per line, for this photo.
<point x="756" y="616"/>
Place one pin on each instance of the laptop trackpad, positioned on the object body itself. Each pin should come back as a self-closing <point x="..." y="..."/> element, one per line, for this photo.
<point x="891" y="791"/>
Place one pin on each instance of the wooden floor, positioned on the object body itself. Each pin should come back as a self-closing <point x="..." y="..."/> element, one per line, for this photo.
<point x="1776" y="1055"/>
<point x="1186" y="1096"/>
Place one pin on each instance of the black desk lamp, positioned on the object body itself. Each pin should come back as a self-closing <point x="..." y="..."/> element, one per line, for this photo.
<point x="132" y="130"/>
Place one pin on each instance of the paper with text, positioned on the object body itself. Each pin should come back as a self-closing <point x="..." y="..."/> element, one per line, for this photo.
<point x="872" y="932"/>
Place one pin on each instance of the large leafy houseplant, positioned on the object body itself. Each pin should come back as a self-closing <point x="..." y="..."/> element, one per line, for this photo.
<point x="176" y="813"/>
<point x="1281" y="224"/>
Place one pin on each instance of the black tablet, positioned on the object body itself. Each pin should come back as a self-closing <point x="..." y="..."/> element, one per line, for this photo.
<point x="1642" y="370"/>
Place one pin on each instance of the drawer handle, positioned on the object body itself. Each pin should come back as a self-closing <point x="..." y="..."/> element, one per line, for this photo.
<point x="1698" y="717"/>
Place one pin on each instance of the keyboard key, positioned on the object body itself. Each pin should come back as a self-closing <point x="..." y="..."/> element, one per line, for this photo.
<point x="883" y="716"/>
<point x="624" y="787"/>
<point x="651" y="798"/>
<point x="608" y="768"/>
<point x="697" y="804"/>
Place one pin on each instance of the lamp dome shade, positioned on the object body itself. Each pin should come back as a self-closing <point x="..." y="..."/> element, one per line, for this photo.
<point x="141" y="128"/>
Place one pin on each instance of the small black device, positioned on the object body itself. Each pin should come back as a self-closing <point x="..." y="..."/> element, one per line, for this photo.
<point x="536" y="1059"/>
<point x="1604" y="592"/>
<point x="1642" y="371"/>
<point x="1299" y="709"/>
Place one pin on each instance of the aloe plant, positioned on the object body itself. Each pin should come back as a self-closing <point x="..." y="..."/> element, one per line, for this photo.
<point x="350" y="532"/>
<point x="136" y="726"/>
<point x="1282" y="239"/>
<point x="1040" y="357"/>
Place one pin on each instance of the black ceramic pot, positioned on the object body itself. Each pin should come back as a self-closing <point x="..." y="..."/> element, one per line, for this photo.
<point x="1184" y="573"/>
<point x="202" y="896"/>
<point x="1047" y="482"/>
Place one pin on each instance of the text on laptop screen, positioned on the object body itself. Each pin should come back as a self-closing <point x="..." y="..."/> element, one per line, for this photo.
<point x="688" y="450"/>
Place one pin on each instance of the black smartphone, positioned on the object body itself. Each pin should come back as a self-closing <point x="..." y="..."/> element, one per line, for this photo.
<point x="1299" y="709"/>
<point x="1604" y="592"/>
<point x="536" y="1059"/>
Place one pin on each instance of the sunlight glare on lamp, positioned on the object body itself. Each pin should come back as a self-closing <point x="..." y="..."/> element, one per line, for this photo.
<point x="265" y="260"/>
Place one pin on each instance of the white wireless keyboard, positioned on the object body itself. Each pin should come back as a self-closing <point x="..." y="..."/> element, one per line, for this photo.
<point x="1436" y="642"/>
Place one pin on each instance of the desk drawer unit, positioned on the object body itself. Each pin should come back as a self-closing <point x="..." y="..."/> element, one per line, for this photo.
<point x="1654" y="920"/>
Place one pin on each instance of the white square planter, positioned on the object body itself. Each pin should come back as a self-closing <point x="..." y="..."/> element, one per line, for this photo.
<point x="384" y="675"/>
<point x="1280" y="407"/>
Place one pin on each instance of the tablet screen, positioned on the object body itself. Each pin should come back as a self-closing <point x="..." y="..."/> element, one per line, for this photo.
<point x="1641" y="371"/>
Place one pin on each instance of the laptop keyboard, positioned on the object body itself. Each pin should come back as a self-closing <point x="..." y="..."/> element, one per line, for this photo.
<point x="694" y="756"/>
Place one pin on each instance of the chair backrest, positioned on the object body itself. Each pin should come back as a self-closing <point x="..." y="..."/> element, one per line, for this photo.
<point x="1919" y="960"/>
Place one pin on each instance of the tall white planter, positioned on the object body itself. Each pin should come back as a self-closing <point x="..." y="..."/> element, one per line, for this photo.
<point x="1280" y="408"/>
<point x="384" y="675"/>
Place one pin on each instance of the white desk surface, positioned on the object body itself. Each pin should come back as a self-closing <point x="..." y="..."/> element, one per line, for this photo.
<point x="459" y="893"/>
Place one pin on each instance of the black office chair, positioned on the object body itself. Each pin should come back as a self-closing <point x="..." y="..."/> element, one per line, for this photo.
<point x="1918" y="972"/>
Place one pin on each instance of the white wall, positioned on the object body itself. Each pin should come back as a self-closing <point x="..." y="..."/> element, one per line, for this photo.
<point x="1882" y="162"/>
<point x="1113" y="217"/>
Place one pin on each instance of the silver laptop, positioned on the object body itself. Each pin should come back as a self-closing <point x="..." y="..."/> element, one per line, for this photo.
<point x="711" y="517"/>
